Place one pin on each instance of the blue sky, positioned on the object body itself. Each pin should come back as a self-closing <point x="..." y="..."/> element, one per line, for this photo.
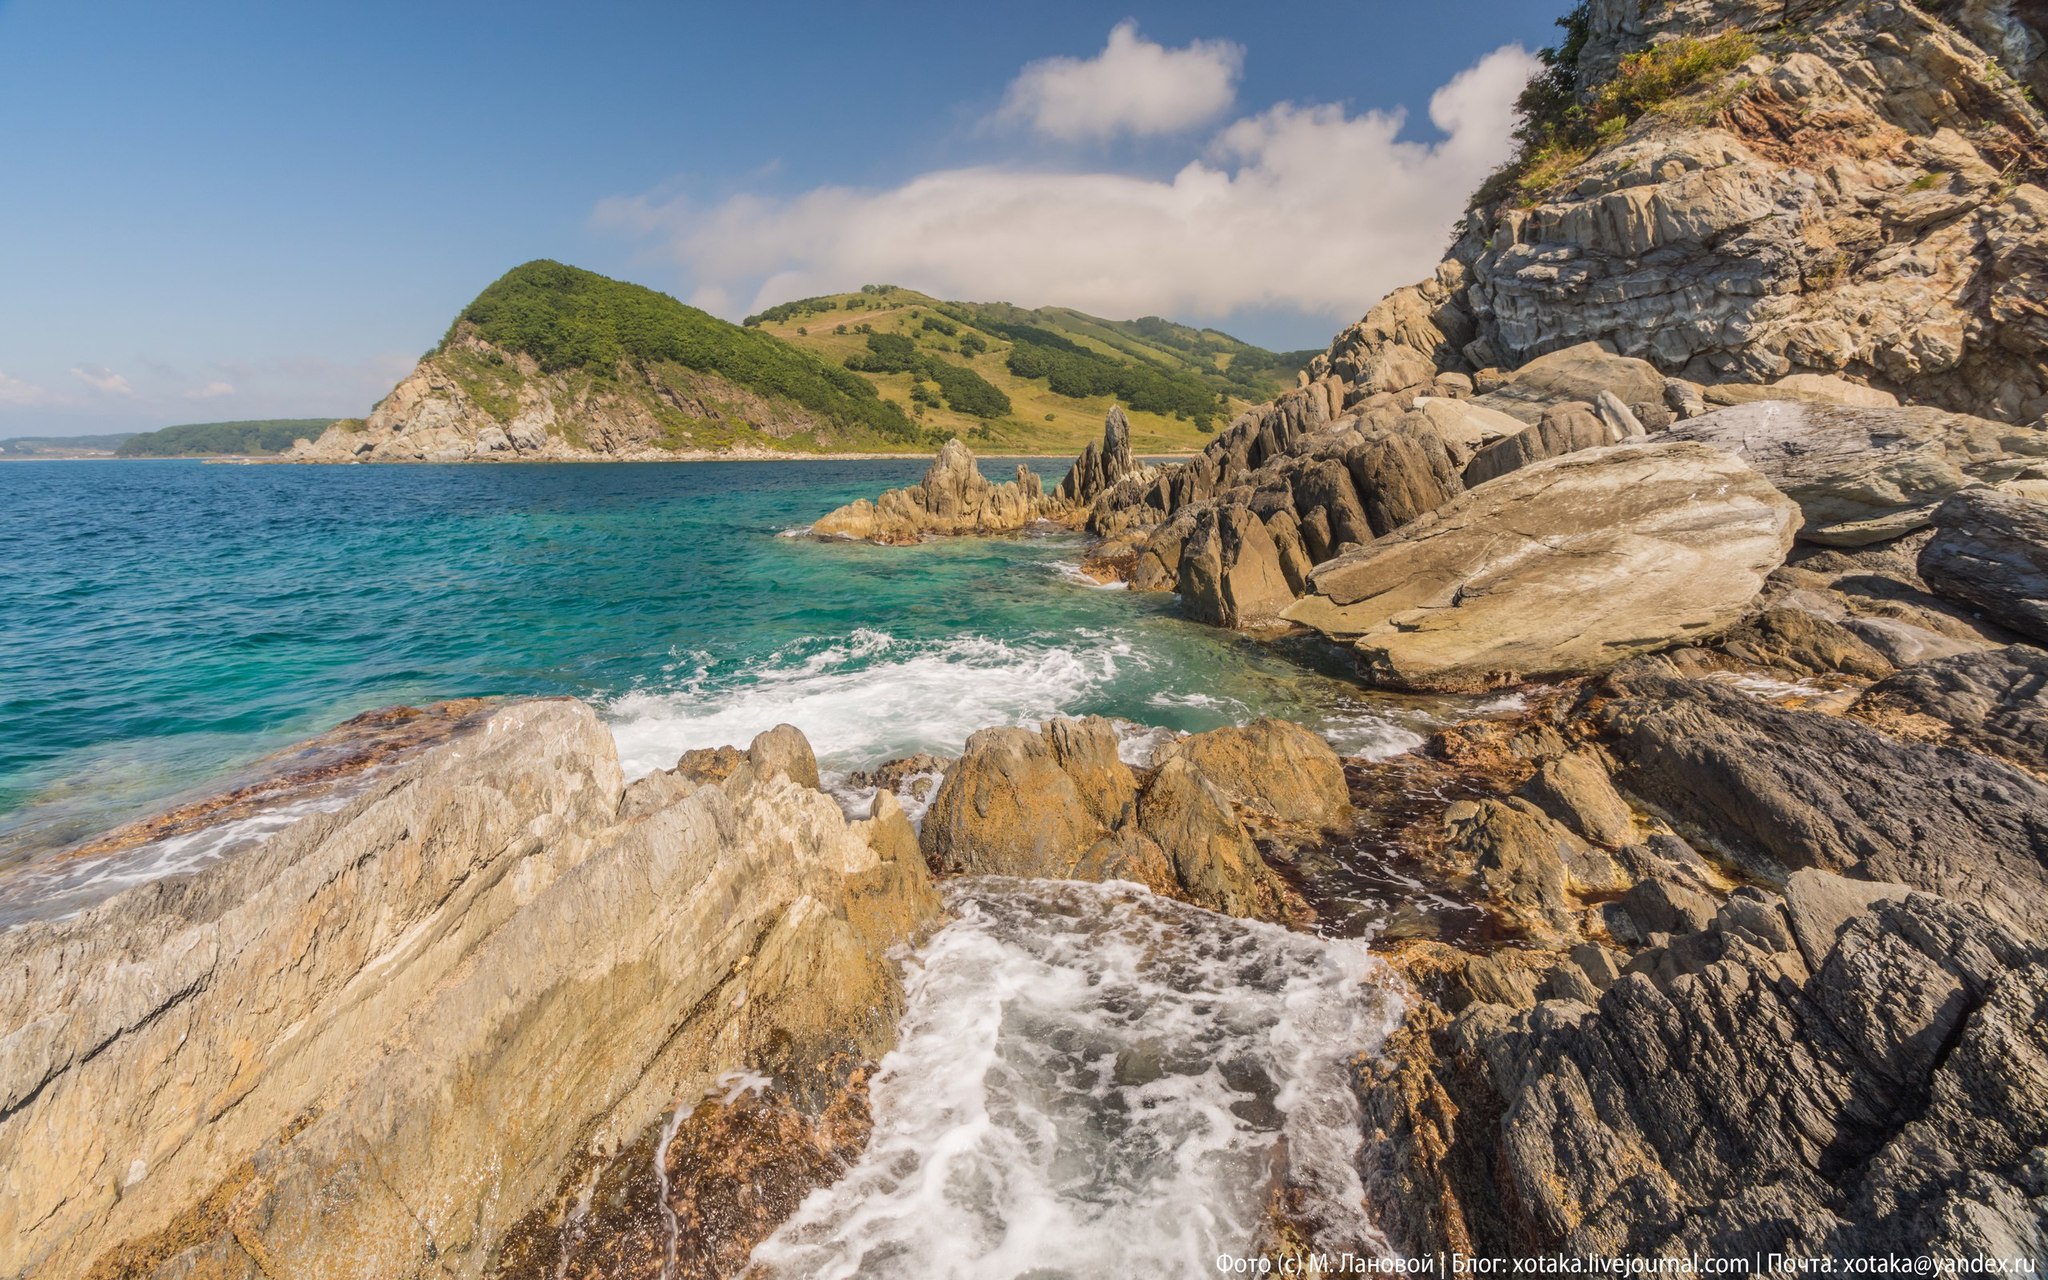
<point x="249" y="210"/>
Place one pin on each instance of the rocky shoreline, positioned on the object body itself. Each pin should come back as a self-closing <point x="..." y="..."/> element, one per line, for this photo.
<point x="1721" y="935"/>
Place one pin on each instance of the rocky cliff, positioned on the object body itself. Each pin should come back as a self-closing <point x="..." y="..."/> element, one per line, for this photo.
<point x="1768" y="189"/>
<point x="551" y="363"/>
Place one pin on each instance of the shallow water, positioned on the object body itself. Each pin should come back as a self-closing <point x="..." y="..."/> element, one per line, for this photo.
<point x="1094" y="1081"/>
<point x="167" y="621"/>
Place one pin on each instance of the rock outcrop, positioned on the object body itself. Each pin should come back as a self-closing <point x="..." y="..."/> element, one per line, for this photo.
<point x="1865" y="475"/>
<point x="378" y="1040"/>
<point x="1060" y="803"/>
<point x="953" y="498"/>
<point x="1990" y="553"/>
<point x="1566" y="566"/>
<point x="1995" y="702"/>
<point x="1100" y="468"/>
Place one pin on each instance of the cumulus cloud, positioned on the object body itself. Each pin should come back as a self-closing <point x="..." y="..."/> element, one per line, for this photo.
<point x="15" y="391"/>
<point x="103" y="380"/>
<point x="1132" y="86"/>
<point x="1308" y="209"/>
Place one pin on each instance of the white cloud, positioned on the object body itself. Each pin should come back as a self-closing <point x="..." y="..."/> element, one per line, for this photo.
<point x="211" y="391"/>
<point x="103" y="380"/>
<point x="1301" y="208"/>
<point x="15" y="391"/>
<point x="1132" y="86"/>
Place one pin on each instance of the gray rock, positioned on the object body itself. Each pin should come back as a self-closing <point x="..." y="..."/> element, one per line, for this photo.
<point x="1863" y="475"/>
<point x="1994" y="701"/>
<point x="1780" y="789"/>
<point x="1821" y="905"/>
<point x="1569" y="565"/>
<point x="1990" y="551"/>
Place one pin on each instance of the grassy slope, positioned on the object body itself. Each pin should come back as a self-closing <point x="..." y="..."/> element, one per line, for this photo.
<point x="1175" y="349"/>
<point x="602" y="337"/>
<point x="206" y="439"/>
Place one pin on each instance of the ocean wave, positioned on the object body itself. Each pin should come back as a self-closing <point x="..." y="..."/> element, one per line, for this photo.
<point x="868" y="696"/>
<point x="1091" y="1080"/>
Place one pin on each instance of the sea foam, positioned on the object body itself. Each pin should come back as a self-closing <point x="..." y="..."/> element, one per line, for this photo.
<point x="1092" y="1080"/>
<point x="868" y="697"/>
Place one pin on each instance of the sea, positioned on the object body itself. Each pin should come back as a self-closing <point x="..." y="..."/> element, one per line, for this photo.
<point x="165" y="623"/>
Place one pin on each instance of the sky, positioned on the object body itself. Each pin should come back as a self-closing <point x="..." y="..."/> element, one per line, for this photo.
<point x="213" y="211"/>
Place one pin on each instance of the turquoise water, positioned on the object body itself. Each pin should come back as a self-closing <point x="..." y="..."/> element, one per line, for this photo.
<point x="163" y="622"/>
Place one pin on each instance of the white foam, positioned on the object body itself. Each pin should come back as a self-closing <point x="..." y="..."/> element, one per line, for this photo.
<point x="1068" y="571"/>
<point x="1091" y="1080"/>
<point x="868" y="697"/>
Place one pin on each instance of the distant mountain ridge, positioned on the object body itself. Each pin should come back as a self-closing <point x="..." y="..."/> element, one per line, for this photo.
<point x="551" y="362"/>
<point x="99" y="446"/>
<point x="251" y="437"/>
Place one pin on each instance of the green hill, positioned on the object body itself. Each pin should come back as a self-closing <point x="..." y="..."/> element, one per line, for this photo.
<point x="212" y="439"/>
<point x="1030" y="380"/>
<point x="625" y="339"/>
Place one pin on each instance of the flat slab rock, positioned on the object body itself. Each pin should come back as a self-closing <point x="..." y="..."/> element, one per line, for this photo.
<point x="1566" y="566"/>
<point x="1862" y="475"/>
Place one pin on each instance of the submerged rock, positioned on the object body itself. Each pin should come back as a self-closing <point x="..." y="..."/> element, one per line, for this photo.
<point x="1566" y="566"/>
<point x="375" y="1041"/>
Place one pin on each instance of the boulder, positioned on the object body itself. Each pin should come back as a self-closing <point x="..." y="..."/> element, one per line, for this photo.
<point x="1230" y="571"/>
<point x="1566" y="566"/>
<point x="1804" y="643"/>
<point x="1575" y="789"/>
<point x="1563" y="428"/>
<point x="1579" y="373"/>
<point x="1864" y="475"/>
<point x="1215" y="864"/>
<point x="376" y="1039"/>
<point x="1058" y="803"/>
<point x="1277" y="775"/>
<point x="1994" y="701"/>
<point x="1403" y="475"/>
<point x="1020" y="802"/>
<point x="1990" y="552"/>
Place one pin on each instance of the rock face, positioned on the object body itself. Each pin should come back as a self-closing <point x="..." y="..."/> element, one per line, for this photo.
<point x="1776" y="790"/>
<point x="953" y="498"/>
<point x="375" y="1041"/>
<point x="475" y="402"/>
<point x="1898" y="1078"/>
<point x="1100" y="468"/>
<point x="1990" y="552"/>
<point x="1995" y="702"/>
<point x="1060" y="803"/>
<point x="1567" y="566"/>
<point x="1864" y="475"/>
<point x="1834" y="206"/>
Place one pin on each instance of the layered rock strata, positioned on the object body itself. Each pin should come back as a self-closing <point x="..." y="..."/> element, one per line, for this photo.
<point x="377" y="1041"/>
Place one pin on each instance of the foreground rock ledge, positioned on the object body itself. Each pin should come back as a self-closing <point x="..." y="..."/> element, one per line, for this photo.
<point x="370" y="1045"/>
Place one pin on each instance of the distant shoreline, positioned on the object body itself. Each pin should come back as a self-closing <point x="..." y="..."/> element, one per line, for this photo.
<point x="243" y="459"/>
